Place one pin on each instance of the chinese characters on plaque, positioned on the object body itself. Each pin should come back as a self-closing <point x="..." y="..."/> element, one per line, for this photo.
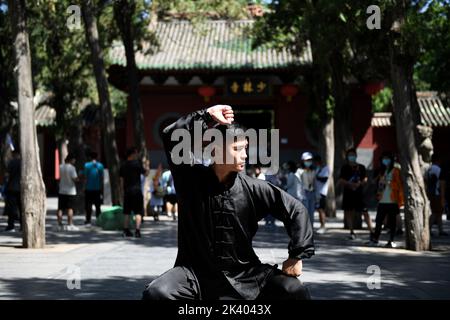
<point x="247" y="86"/>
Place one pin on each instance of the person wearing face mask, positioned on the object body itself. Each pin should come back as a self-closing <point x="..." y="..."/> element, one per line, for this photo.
<point x="353" y="177"/>
<point x="321" y="186"/>
<point x="307" y="176"/>
<point x="390" y="198"/>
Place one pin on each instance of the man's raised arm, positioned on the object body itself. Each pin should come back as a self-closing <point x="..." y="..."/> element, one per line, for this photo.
<point x="206" y="118"/>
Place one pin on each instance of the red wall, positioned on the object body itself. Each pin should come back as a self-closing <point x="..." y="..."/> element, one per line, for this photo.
<point x="384" y="139"/>
<point x="361" y="119"/>
<point x="289" y="116"/>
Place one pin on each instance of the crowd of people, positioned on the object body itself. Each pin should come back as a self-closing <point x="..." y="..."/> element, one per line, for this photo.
<point x="306" y="181"/>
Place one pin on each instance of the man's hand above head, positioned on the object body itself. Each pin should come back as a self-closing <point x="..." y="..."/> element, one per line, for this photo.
<point x="222" y="114"/>
<point x="292" y="267"/>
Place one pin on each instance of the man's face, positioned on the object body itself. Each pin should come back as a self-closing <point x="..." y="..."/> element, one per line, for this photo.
<point x="237" y="153"/>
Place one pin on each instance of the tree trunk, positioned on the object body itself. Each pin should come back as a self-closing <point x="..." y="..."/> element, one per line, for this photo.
<point x="407" y="117"/>
<point x="321" y="93"/>
<point x="33" y="197"/>
<point x="123" y="14"/>
<point x="342" y="120"/>
<point x="326" y="150"/>
<point x="108" y="125"/>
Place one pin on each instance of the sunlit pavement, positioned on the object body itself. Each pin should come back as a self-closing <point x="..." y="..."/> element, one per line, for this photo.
<point x="96" y="264"/>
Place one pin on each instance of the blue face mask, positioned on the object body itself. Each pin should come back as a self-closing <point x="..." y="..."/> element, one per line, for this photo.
<point x="308" y="164"/>
<point x="351" y="158"/>
<point x="386" y="162"/>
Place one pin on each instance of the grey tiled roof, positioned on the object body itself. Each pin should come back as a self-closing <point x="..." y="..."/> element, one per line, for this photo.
<point x="432" y="112"/>
<point x="45" y="116"/>
<point x="213" y="45"/>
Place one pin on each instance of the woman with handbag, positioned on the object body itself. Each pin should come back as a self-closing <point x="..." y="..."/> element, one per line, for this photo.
<point x="157" y="193"/>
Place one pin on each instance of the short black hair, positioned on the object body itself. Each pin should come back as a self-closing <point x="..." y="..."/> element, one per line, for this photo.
<point x="234" y="130"/>
<point x="317" y="158"/>
<point x="350" y="150"/>
<point x="131" y="151"/>
<point x="93" y="155"/>
<point x="387" y="154"/>
<point x="70" y="157"/>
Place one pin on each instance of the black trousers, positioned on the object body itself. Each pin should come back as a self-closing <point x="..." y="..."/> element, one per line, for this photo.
<point x="92" y="197"/>
<point x="13" y="208"/>
<point x="180" y="283"/>
<point x="390" y="210"/>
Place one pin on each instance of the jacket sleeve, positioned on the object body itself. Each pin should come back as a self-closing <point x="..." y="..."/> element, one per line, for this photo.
<point x="398" y="189"/>
<point x="293" y="214"/>
<point x="187" y="123"/>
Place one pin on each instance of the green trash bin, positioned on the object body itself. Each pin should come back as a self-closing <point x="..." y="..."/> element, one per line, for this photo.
<point x="112" y="218"/>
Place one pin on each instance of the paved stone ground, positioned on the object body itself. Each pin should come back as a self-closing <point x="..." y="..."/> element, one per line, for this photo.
<point x="112" y="267"/>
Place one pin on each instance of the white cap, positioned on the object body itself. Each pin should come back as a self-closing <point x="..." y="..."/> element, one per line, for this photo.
<point x="307" y="156"/>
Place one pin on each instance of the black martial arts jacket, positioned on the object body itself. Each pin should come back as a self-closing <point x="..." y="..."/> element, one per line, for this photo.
<point x="216" y="223"/>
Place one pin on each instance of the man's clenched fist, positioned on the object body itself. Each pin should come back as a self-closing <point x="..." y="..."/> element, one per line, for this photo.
<point x="292" y="267"/>
<point x="223" y="114"/>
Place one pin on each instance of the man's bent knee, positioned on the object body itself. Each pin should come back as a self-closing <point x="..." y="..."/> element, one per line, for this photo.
<point x="293" y="289"/>
<point x="301" y="292"/>
<point x="156" y="291"/>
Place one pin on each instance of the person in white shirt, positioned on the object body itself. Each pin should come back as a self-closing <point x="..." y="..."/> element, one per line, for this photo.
<point x="307" y="177"/>
<point x="259" y="174"/>
<point x="321" y="187"/>
<point x="170" y="197"/>
<point x="67" y="192"/>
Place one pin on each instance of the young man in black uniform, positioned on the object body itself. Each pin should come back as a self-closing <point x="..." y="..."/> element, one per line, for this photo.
<point x="219" y="210"/>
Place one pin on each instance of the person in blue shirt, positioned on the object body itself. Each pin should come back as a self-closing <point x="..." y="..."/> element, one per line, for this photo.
<point x="93" y="176"/>
<point x="170" y="197"/>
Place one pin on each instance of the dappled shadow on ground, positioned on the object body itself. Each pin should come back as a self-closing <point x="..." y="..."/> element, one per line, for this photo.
<point x="104" y="289"/>
<point x="341" y="274"/>
<point x="162" y="233"/>
<point x="337" y="271"/>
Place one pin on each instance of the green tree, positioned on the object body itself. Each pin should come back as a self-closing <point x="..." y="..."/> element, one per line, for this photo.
<point x="404" y="26"/>
<point x="431" y="69"/>
<point x="322" y="27"/>
<point x="136" y="21"/>
<point x="133" y="24"/>
<point x="198" y="11"/>
<point x="61" y="64"/>
<point x="108" y="125"/>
